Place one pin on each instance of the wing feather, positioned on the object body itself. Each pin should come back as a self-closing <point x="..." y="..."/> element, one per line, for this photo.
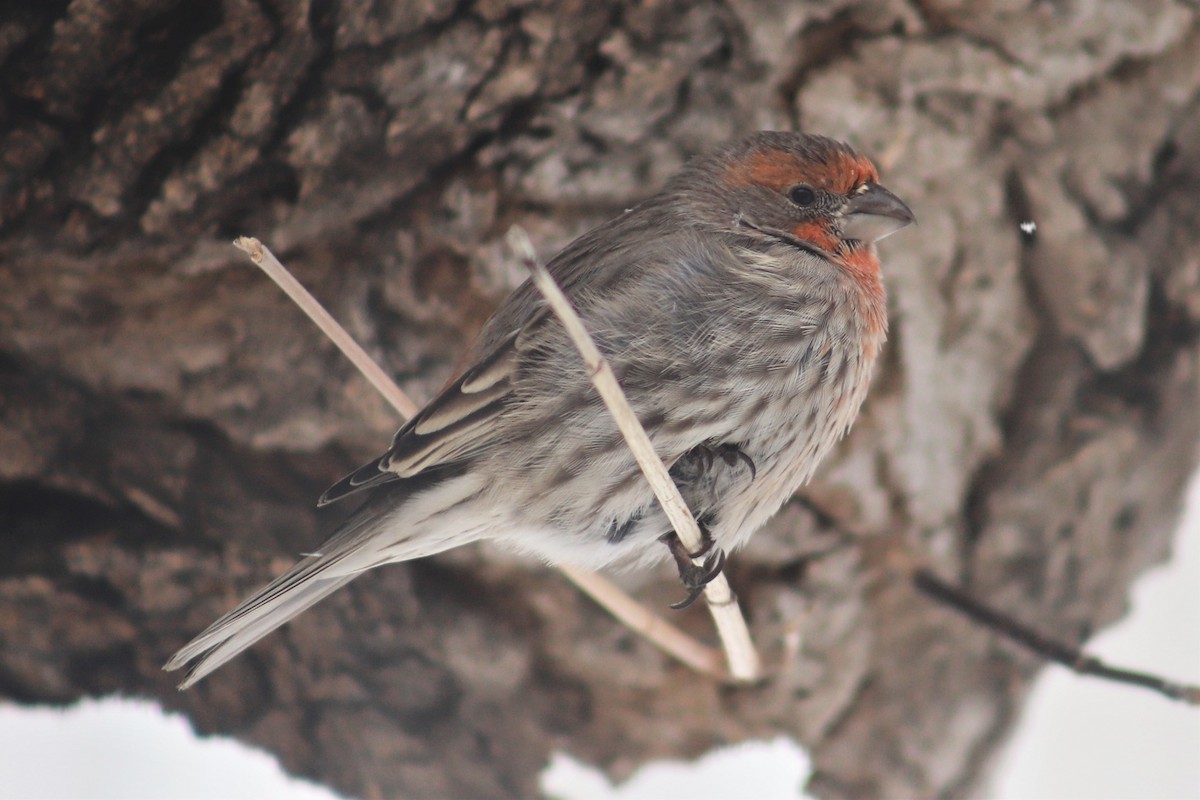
<point x="444" y="430"/>
<point x="448" y="428"/>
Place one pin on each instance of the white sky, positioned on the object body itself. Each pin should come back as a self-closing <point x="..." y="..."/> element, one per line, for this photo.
<point x="1081" y="739"/>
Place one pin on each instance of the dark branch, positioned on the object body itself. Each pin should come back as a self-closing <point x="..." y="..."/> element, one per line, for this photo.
<point x="1059" y="652"/>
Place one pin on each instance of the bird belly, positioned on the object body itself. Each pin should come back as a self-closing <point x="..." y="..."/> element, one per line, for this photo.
<point x="785" y="419"/>
<point x="787" y="441"/>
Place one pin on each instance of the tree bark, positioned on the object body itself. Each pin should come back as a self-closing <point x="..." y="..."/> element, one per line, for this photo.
<point x="166" y="418"/>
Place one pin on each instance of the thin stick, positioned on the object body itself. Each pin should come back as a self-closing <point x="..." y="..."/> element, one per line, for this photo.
<point x="638" y="618"/>
<point x="628" y="611"/>
<point x="383" y="384"/>
<point x="1069" y="656"/>
<point x="744" y="663"/>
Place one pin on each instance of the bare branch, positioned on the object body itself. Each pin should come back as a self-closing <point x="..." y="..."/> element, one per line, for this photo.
<point x="383" y="384"/>
<point x="1039" y="643"/>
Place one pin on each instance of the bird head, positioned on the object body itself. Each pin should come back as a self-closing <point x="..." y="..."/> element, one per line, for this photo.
<point x="806" y="191"/>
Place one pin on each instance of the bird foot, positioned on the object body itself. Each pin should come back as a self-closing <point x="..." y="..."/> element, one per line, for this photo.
<point x="694" y="576"/>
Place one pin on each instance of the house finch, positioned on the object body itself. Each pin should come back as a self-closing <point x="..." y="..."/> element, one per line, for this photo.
<point x="740" y="308"/>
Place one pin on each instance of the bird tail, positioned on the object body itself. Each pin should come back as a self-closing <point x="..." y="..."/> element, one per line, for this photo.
<point x="291" y="593"/>
<point x="380" y="532"/>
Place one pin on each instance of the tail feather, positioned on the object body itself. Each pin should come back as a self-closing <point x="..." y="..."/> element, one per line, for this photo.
<point x="342" y="558"/>
<point x="291" y="593"/>
<point x="395" y="524"/>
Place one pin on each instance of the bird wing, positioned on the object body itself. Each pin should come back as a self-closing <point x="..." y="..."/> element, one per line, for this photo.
<point x="449" y="427"/>
<point x="443" y="431"/>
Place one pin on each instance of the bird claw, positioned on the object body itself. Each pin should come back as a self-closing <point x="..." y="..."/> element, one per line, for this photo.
<point x="731" y="454"/>
<point x="728" y="452"/>
<point x="694" y="576"/>
<point x="698" y="577"/>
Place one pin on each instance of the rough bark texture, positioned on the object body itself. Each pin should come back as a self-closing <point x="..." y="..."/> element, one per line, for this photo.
<point x="166" y="418"/>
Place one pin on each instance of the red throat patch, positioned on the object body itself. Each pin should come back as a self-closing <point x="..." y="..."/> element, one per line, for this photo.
<point x="861" y="264"/>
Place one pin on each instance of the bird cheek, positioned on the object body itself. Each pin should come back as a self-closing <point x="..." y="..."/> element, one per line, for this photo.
<point x="817" y="233"/>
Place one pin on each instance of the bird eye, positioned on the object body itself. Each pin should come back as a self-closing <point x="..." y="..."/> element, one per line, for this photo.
<point x="802" y="195"/>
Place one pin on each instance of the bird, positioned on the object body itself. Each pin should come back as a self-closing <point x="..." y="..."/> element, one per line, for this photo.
<point x="742" y="310"/>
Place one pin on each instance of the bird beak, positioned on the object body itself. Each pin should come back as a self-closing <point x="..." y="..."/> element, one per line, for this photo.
<point x="875" y="213"/>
